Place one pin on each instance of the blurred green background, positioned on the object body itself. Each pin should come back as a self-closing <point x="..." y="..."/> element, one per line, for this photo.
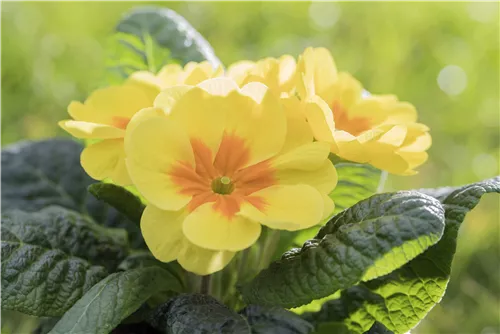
<point x="442" y="57"/>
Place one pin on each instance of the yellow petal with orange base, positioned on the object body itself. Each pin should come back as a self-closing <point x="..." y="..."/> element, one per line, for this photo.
<point x="261" y="125"/>
<point x="155" y="147"/>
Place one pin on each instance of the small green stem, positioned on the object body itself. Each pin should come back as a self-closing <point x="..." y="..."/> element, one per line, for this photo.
<point x="205" y="285"/>
<point x="269" y="248"/>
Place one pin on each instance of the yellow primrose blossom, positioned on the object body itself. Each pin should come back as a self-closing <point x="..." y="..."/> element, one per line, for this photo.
<point x="277" y="74"/>
<point x="106" y="113"/>
<point x="374" y="129"/>
<point x="105" y="116"/>
<point x="215" y="162"/>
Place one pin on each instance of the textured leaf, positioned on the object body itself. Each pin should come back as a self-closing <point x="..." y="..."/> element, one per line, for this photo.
<point x="44" y="270"/>
<point x="119" y="198"/>
<point x="113" y="299"/>
<point x="151" y="37"/>
<point x="48" y="172"/>
<point x="401" y="299"/>
<point x="197" y="314"/>
<point x="143" y="259"/>
<point x="274" y="320"/>
<point x="62" y="229"/>
<point x="370" y="239"/>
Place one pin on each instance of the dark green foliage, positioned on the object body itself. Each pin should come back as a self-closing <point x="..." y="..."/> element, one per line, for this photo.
<point x="274" y="320"/>
<point x="402" y="298"/>
<point x="52" y="257"/>
<point x="197" y="314"/>
<point x="119" y="198"/>
<point x="48" y="172"/>
<point x="370" y="239"/>
<point x="113" y="299"/>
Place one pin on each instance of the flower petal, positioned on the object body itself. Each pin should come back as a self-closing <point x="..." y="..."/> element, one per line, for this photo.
<point x="162" y="231"/>
<point x="86" y="130"/>
<point x="262" y="125"/>
<point x="320" y="119"/>
<point x="114" y="101"/>
<point x="202" y="116"/>
<point x="106" y="159"/>
<point x="287" y="207"/>
<point x="384" y="157"/>
<point x="324" y="179"/>
<point x="169" y="96"/>
<point x="218" y="86"/>
<point x="142" y="115"/>
<point x="310" y="156"/>
<point x="298" y="131"/>
<point x="211" y="229"/>
<point x="318" y="67"/>
<point x="154" y="148"/>
<point x="239" y="70"/>
<point x="349" y="147"/>
<point x="203" y="261"/>
<point x="395" y="136"/>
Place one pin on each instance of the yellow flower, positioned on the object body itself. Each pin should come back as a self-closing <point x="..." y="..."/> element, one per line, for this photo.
<point x="277" y="74"/>
<point x="106" y="113"/>
<point x="105" y="116"/>
<point x="215" y="162"/>
<point x="374" y="129"/>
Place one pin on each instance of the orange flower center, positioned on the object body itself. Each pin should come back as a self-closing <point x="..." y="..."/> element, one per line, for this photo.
<point x="354" y="125"/>
<point x="223" y="180"/>
<point x="120" y="122"/>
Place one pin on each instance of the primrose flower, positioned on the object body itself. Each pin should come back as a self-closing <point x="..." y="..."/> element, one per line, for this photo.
<point x="374" y="129"/>
<point x="277" y="74"/>
<point x="215" y="162"/>
<point x="105" y="115"/>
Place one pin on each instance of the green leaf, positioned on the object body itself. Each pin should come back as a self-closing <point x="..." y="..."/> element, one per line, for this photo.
<point x="274" y="320"/>
<point x="119" y="198"/>
<point x="62" y="229"/>
<point x="48" y="172"/>
<point x="370" y="239"/>
<point x="401" y="299"/>
<point x="114" y="298"/>
<point x="143" y="259"/>
<point x="150" y="37"/>
<point x="356" y="183"/>
<point x="197" y="314"/>
<point x="44" y="270"/>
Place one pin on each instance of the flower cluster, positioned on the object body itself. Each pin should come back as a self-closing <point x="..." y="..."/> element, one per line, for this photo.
<point x="217" y="154"/>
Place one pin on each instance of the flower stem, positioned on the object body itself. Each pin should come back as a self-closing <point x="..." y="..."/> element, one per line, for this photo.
<point x="205" y="285"/>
